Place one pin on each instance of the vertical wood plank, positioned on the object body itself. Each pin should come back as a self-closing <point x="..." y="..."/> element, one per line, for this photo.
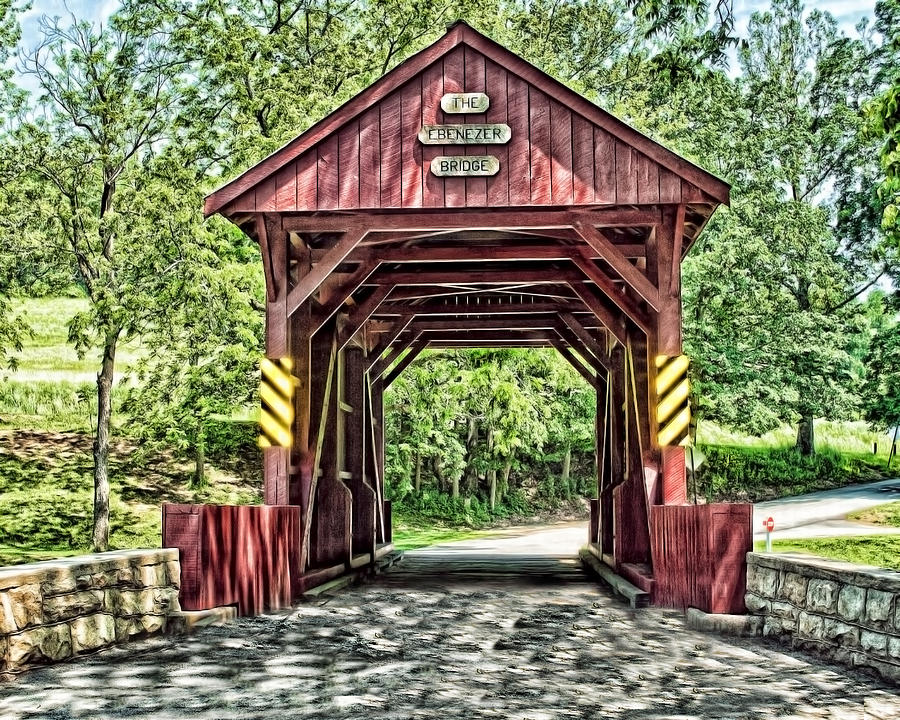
<point x="266" y="195"/>
<point x="626" y="175"/>
<point x="519" y="161"/>
<point x="327" y="174"/>
<point x="370" y="159"/>
<point x="410" y="147"/>
<point x="390" y="152"/>
<point x="286" y="188"/>
<point x="561" y="176"/>
<point x="539" y="122"/>
<point x="307" y="180"/>
<point x="495" y="87"/>
<point x="476" y="187"/>
<point x="647" y="180"/>
<point x="604" y="167"/>
<point x="690" y="193"/>
<point x="669" y="186"/>
<point x="454" y="81"/>
<point x="348" y="165"/>
<point x="432" y="89"/>
<point x="582" y="160"/>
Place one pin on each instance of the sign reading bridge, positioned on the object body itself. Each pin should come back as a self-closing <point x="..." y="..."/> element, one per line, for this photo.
<point x="465" y="134"/>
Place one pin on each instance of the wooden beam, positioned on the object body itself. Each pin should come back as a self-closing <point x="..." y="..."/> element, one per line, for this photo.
<point x="310" y="282"/>
<point x="613" y="323"/>
<point x="466" y="219"/>
<point x="414" y="352"/>
<point x="621" y="300"/>
<point x="485" y="253"/>
<point x="389" y="308"/>
<point x="386" y="341"/>
<point x="357" y="317"/>
<point x="502" y="322"/>
<point x="628" y="272"/>
<point x="340" y="294"/>
<point x="393" y="352"/>
<point x="573" y="341"/>
<point x="262" y="236"/>
<point x="476" y="277"/>
<point x="569" y="356"/>
<point x="590" y="343"/>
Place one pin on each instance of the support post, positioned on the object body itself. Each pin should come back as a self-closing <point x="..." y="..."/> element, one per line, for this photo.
<point x="273" y="242"/>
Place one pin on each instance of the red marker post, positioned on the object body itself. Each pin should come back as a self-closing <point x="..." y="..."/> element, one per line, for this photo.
<point x="769" y="524"/>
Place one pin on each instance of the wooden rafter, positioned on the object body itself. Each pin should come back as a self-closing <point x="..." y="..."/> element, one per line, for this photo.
<point x="414" y="351"/>
<point x="310" y="282"/>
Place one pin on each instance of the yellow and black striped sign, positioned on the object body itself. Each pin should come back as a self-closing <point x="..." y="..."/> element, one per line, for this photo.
<point x="276" y="392"/>
<point x="673" y="408"/>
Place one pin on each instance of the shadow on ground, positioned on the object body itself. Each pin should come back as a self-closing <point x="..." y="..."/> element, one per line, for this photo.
<point x="448" y="637"/>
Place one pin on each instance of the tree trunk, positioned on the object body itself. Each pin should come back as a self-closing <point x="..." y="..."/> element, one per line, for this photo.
<point x="455" y="488"/>
<point x="504" y="488"/>
<point x="418" y="481"/>
<point x="101" y="443"/>
<point x="492" y="473"/>
<point x="566" y="468"/>
<point x="200" y="462"/>
<point x="806" y="436"/>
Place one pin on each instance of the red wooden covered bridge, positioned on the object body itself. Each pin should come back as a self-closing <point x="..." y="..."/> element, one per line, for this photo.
<point x="465" y="199"/>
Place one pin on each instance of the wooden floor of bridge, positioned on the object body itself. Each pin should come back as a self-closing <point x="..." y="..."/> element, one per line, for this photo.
<point x="458" y="566"/>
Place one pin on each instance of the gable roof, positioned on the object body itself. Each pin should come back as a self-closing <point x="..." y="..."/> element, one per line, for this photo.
<point x="461" y="34"/>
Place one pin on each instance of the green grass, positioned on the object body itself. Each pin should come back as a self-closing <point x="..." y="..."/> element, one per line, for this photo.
<point x="46" y="488"/>
<point x="854" y="438"/>
<point x="48" y="355"/>
<point x="878" y="550"/>
<point x="887" y="514"/>
<point x="410" y="538"/>
<point x="752" y="474"/>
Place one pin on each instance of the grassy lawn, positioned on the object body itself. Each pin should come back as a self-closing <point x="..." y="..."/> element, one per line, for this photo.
<point x="410" y="538"/>
<point x="46" y="493"/>
<point x="878" y="550"/>
<point x="887" y="514"/>
<point x="48" y="355"/>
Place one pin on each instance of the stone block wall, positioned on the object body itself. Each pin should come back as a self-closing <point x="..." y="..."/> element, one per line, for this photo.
<point x="844" y="612"/>
<point x="57" y="609"/>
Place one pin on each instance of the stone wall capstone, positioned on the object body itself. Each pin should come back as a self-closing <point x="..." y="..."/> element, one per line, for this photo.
<point x="845" y="612"/>
<point x="54" y="610"/>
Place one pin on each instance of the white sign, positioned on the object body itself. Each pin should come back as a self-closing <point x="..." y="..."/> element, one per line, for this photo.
<point x="474" y="134"/>
<point x="465" y="103"/>
<point x="465" y="166"/>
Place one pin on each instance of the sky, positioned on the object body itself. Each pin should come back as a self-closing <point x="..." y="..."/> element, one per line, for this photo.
<point x="848" y="12"/>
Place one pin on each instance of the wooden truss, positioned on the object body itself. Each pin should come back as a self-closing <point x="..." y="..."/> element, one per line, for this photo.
<point x="355" y="299"/>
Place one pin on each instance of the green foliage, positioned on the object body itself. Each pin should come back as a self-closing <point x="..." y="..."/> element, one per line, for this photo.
<point x="466" y="430"/>
<point x="755" y="474"/>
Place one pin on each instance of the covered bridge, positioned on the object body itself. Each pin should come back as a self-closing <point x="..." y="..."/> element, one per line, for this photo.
<point x="467" y="199"/>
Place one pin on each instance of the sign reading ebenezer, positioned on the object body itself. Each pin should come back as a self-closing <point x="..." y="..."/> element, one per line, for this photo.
<point x="492" y="134"/>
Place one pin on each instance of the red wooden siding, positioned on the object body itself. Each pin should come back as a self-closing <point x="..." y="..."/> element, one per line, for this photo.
<point x="555" y="157"/>
<point x="699" y="555"/>
<point x="235" y="555"/>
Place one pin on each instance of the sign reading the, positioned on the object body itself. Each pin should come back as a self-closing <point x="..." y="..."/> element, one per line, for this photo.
<point x="465" y="103"/>
<point x="489" y="134"/>
<point x="769" y="524"/>
<point x="465" y="166"/>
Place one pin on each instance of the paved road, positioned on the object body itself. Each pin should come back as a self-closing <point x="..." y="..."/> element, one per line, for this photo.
<point x="823" y="514"/>
<point x="454" y="633"/>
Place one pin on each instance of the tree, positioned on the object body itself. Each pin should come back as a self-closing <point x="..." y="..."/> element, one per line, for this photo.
<point x="204" y="359"/>
<point x="883" y="114"/>
<point x="102" y="160"/>
<point x="770" y="289"/>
